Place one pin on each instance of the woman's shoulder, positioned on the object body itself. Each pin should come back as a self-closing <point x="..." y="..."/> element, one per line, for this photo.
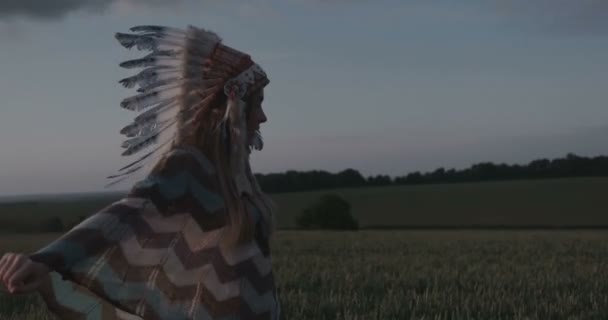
<point x="184" y="177"/>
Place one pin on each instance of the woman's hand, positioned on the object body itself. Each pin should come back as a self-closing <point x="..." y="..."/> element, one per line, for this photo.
<point x="20" y="274"/>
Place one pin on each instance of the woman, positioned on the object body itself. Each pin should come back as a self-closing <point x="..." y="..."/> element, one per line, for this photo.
<point x="190" y="241"/>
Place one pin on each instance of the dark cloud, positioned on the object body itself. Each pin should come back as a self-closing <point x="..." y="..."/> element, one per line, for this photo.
<point x="569" y="16"/>
<point x="56" y="9"/>
<point x="48" y="9"/>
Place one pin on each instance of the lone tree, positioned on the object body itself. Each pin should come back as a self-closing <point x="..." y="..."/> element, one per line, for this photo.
<point x="330" y="212"/>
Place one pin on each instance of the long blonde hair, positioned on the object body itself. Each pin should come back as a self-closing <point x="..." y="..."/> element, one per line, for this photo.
<point x="209" y="140"/>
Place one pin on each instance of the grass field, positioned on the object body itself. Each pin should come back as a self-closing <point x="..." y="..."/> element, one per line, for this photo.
<point x="411" y="274"/>
<point x="557" y="202"/>
<point x="419" y="275"/>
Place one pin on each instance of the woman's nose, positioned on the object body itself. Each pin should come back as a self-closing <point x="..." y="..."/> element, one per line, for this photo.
<point x="263" y="117"/>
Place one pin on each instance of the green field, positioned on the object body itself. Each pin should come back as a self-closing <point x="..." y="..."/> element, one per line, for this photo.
<point x="412" y="274"/>
<point x="556" y="202"/>
<point x="420" y="275"/>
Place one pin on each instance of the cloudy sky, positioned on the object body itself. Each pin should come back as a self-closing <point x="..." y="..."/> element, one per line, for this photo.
<point x="385" y="87"/>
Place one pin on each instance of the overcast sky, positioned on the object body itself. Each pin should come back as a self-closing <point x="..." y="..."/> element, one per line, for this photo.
<point x="385" y="87"/>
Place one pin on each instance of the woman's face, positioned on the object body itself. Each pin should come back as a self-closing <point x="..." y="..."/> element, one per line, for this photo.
<point x="255" y="114"/>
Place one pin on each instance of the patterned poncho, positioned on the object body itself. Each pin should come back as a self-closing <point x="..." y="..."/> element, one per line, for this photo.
<point x="157" y="254"/>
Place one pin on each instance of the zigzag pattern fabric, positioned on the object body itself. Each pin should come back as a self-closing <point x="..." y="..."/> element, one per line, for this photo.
<point x="157" y="254"/>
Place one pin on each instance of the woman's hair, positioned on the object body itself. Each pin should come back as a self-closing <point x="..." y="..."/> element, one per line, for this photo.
<point x="216" y="147"/>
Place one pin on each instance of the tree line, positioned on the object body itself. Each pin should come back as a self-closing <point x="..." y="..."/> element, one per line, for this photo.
<point x="570" y="166"/>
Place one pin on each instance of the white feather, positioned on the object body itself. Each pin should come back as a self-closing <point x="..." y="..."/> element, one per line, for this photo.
<point x="186" y="85"/>
<point x="151" y="61"/>
<point x="198" y="41"/>
<point x="137" y="144"/>
<point x="125" y="173"/>
<point x="115" y="182"/>
<point x="150" y="42"/>
<point x="160" y="85"/>
<point x="157" y="29"/>
<point x="150" y="75"/>
<point x="142" y="128"/>
<point x="151" y="83"/>
<point x="165" y="62"/>
<point x="148" y="99"/>
<point x="130" y="40"/>
<point x="257" y="142"/>
<point x="147" y="155"/>
<point x="157" y="111"/>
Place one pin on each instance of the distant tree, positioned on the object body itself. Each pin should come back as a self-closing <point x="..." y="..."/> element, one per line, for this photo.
<point x="414" y="178"/>
<point x="450" y="175"/>
<point x="350" y="178"/>
<point x="330" y="212"/>
<point x="438" y="175"/>
<point x="571" y="165"/>
<point x="399" y="180"/>
<point x="379" y="180"/>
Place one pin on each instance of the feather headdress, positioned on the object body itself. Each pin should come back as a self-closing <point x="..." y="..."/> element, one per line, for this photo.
<point x="183" y="73"/>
